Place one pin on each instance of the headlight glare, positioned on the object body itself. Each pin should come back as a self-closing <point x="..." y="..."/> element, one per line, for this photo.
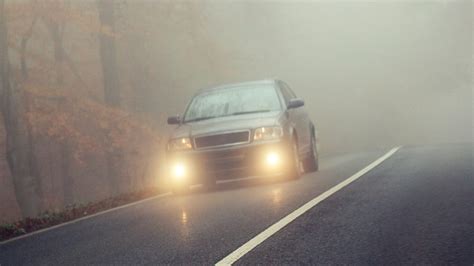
<point x="179" y="171"/>
<point x="268" y="133"/>
<point x="180" y="144"/>
<point x="272" y="159"/>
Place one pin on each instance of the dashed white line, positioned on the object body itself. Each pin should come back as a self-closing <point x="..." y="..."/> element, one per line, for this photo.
<point x="257" y="240"/>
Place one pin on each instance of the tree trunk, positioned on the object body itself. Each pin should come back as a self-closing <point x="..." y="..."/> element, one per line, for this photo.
<point x="108" y="52"/>
<point x="56" y="35"/>
<point x="111" y="83"/>
<point x="68" y="181"/>
<point x="65" y="147"/>
<point x="24" y="43"/>
<point x="20" y="156"/>
<point x="60" y="55"/>
<point x="113" y="174"/>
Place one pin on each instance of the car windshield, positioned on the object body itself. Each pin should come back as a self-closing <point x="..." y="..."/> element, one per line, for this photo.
<point x="233" y="101"/>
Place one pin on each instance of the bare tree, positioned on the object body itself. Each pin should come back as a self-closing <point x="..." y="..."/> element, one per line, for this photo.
<point x="57" y="33"/>
<point x="24" y="43"/>
<point x="108" y="58"/>
<point x="108" y="52"/>
<point x="20" y="153"/>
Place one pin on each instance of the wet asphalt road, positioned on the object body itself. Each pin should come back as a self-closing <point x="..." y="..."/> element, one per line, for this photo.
<point x="417" y="207"/>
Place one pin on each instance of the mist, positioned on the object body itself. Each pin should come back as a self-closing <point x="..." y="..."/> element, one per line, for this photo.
<point x="373" y="74"/>
<point x="94" y="82"/>
<point x="90" y="90"/>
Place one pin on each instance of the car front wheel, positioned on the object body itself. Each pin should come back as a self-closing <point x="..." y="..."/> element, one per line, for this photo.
<point x="311" y="163"/>
<point x="295" y="166"/>
<point x="210" y="183"/>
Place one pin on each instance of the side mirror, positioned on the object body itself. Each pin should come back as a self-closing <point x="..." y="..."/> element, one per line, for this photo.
<point x="295" y="103"/>
<point x="174" y="120"/>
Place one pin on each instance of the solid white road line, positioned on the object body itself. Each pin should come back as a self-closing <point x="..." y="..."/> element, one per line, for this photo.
<point x="84" y="218"/>
<point x="254" y="242"/>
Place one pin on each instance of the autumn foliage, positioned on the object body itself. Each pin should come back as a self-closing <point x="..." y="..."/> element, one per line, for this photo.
<point x="83" y="149"/>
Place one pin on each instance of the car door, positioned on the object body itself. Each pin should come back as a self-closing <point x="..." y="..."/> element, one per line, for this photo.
<point x="298" y="118"/>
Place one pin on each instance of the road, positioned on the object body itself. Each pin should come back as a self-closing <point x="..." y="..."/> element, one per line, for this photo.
<point x="416" y="207"/>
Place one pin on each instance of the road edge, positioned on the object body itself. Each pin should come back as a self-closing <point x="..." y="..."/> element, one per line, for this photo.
<point x="84" y="218"/>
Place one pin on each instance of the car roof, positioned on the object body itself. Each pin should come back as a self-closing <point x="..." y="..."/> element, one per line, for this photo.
<point x="240" y="84"/>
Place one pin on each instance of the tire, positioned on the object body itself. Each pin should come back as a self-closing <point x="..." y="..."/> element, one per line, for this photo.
<point x="295" y="166"/>
<point x="210" y="183"/>
<point x="311" y="164"/>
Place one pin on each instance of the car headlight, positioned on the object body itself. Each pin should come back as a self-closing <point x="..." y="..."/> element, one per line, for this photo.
<point x="178" y="171"/>
<point x="180" y="144"/>
<point x="268" y="133"/>
<point x="272" y="159"/>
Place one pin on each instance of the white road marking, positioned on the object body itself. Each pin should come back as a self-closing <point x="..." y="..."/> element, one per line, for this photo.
<point x="257" y="240"/>
<point x="84" y="218"/>
<point x="106" y="211"/>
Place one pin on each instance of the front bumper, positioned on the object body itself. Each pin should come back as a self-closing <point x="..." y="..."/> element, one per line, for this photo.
<point x="253" y="159"/>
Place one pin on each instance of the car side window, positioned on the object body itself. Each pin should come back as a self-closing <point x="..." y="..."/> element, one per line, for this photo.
<point x="286" y="93"/>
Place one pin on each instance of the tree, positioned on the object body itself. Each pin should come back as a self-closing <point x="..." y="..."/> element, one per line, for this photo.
<point x="56" y="126"/>
<point x="108" y="58"/>
<point x="56" y="31"/>
<point x="24" y="43"/>
<point x="20" y="153"/>
<point x="108" y="52"/>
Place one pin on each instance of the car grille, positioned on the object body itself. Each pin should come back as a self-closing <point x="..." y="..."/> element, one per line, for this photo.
<point x="222" y="139"/>
<point x="225" y="160"/>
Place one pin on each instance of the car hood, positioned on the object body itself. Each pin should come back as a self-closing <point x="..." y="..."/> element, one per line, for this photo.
<point x="227" y="123"/>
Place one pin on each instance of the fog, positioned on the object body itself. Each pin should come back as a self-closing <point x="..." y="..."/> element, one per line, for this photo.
<point x="373" y="74"/>
<point x="88" y="85"/>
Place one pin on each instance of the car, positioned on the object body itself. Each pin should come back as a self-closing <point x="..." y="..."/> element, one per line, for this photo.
<point x="257" y="128"/>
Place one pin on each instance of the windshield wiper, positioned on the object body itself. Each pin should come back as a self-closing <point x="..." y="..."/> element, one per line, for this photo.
<point x="250" y="112"/>
<point x="236" y="113"/>
<point x="199" y="119"/>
